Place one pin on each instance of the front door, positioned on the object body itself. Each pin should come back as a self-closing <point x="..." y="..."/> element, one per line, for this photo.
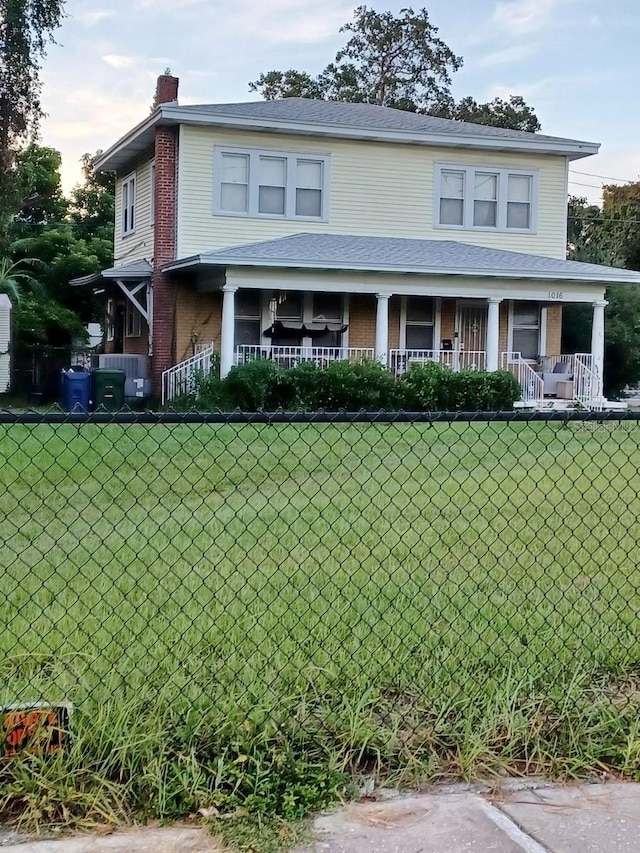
<point x="118" y="327"/>
<point x="471" y="334"/>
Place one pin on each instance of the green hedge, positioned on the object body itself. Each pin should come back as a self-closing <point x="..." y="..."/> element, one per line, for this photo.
<point x="262" y="384"/>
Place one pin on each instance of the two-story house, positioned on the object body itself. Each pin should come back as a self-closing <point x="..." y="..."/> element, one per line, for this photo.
<point x="298" y="229"/>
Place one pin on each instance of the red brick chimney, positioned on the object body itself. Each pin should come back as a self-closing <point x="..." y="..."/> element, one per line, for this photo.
<point x="166" y="144"/>
<point x="166" y="89"/>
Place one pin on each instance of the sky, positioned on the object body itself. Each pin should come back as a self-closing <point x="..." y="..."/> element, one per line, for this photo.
<point x="575" y="61"/>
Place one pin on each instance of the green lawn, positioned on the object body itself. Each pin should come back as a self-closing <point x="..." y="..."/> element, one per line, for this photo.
<point x="241" y="613"/>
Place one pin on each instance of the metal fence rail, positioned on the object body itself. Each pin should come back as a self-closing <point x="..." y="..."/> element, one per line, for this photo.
<point x="282" y="570"/>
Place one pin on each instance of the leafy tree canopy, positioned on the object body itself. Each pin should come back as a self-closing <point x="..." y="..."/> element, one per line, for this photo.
<point x="609" y="235"/>
<point x="395" y="61"/>
<point x="26" y="27"/>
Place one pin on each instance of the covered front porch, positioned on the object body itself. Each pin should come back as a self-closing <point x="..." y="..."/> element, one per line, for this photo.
<point x="322" y="297"/>
<point x="401" y="331"/>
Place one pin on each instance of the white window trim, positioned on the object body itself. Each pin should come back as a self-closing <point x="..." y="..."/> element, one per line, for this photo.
<point x="135" y="316"/>
<point x="152" y="194"/>
<point x="437" y="322"/>
<point x="130" y="180"/>
<point x="510" y="327"/>
<point x="503" y="184"/>
<point x="254" y="155"/>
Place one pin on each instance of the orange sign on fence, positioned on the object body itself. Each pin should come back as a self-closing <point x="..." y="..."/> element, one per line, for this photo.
<point x="35" y="729"/>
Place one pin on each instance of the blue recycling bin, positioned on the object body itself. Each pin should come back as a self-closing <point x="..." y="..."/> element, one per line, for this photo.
<point x="76" y="389"/>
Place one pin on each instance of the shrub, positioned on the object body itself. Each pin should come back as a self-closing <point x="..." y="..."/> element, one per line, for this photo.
<point x="258" y="384"/>
<point x="353" y="386"/>
<point x="435" y="388"/>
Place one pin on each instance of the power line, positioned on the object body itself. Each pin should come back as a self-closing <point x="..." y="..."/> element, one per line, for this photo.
<point x="593" y="186"/>
<point x="604" y="177"/>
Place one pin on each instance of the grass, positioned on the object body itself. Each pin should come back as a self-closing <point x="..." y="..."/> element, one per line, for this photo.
<point x="252" y="619"/>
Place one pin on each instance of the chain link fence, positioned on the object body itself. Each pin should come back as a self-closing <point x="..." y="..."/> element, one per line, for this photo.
<point x="428" y="595"/>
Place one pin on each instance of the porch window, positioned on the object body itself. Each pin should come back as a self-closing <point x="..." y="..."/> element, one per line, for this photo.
<point x="129" y="204"/>
<point x="328" y="308"/>
<point x="419" y="322"/>
<point x="467" y="197"/>
<point x="526" y="329"/>
<point x="133" y="326"/>
<point x="248" y="317"/>
<point x="271" y="183"/>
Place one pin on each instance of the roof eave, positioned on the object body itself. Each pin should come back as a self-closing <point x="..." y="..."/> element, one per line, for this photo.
<point x="574" y="149"/>
<point x="111" y="159"/>
<point x="168" y="114"/>
<point x="222" y="261"/>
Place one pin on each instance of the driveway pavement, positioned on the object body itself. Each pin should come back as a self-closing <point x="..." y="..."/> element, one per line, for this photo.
<point x="602" y="818"/>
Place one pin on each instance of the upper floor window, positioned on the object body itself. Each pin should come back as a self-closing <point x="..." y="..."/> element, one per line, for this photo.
<point x="497" y="199"/>
<point x="152" y="194"/>
<point x="271" y="184"/>
<point x="129" y="204"/>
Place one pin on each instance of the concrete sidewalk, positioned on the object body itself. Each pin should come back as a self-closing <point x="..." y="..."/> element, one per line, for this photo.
<point x="517" y="819"/>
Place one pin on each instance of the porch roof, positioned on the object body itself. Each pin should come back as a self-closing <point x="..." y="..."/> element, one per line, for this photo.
<point x="391" y="254"/>
<point x="133" y="270"/>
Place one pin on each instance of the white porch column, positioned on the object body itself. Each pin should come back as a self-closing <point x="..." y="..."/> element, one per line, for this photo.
<point x="597" y="344"/>
<point x="382" y="328"/>
<point x="227" y="333"/>
<point x="493" y="334"/>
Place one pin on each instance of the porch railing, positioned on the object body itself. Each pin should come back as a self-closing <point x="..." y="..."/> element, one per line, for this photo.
<point x="292" y="356"/>
<point x="531" y="382"/>
<point x="587" y="388"/>
<point x="181" y="379"/>
<point x="400" y="360"/>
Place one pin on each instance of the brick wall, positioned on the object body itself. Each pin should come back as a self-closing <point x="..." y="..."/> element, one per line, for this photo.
<point x="166" y="145"/>
<point x="394" y="322"/>
<point x="554" y="329"/>
<point x="447" y="321"/>
<point x="362" y="320"/>
<point x="139" y="345"/>
<point x="503" y="335"/>
<point x="198" y="320"/>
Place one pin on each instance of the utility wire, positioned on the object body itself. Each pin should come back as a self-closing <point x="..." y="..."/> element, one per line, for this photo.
<point x="604" y="177"/>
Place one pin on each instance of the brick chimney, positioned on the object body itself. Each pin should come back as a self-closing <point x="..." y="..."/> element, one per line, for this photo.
<point x="166" y="90"/>
<point x="164" y="250"/>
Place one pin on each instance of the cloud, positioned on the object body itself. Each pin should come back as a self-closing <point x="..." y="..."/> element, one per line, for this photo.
<point x="117" y="60"/>
<point x="92" y="19"/>
<point x="507" y="56"/>
<point x="523" y="17"/>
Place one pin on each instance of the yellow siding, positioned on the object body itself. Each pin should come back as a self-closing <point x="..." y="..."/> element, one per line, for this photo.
<point x="138" y="244"/>
<point x="377" y="189"/>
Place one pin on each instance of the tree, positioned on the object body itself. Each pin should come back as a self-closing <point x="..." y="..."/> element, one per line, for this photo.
<point x="514" y="114"/>
<point x="608" y="236"/>
<point x="26" y="27"/>
<point x="389" y="61"/>
<point x="395" y="62"/>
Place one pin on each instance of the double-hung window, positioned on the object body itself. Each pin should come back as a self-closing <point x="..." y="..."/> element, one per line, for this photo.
<point x="271" y="184"/>
<point x="526" y="329"/>
<point x="419" y="322"/>
<point x="248" y="314"/>
<point x="490" y="199"/>
<point x="129" y="204"/>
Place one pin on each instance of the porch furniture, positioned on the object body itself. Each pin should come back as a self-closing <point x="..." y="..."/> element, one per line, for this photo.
<point x="564" y="389"/>
<point x="560" y="373"/>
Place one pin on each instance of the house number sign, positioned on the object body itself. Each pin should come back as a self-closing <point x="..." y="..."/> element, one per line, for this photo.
<point x="556" y="294"/>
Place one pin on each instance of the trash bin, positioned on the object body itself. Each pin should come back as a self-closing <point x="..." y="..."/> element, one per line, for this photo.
<point x="76" y="389"/>
<point x="108" y="388"/>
